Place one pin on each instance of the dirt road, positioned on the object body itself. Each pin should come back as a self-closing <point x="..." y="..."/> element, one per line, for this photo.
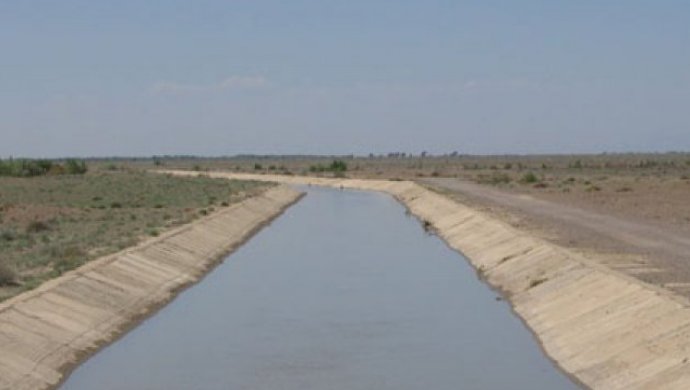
<point x="653" y="253"/>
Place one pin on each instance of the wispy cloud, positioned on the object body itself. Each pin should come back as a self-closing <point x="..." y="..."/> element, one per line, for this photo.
<point x="515" y="83"/>
<point x="230" y="83"/>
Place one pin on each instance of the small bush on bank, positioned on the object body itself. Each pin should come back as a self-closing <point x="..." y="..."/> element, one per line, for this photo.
<point x="67" y="258"/>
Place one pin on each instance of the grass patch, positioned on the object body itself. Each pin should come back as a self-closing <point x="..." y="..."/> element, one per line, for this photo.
<point x="336" y="166"/>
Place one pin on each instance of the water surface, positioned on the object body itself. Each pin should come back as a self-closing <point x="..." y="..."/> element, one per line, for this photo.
<point x="342" y="292"/>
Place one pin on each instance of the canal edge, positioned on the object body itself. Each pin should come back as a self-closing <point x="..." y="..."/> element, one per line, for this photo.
<point x="78" y="333"/>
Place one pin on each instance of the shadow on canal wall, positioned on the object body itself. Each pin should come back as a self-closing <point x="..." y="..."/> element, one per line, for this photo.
<point x="46" y="332"/>
<point x="607" y="330"/>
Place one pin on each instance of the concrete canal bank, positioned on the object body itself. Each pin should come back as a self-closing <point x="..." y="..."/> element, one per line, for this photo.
<point x="342" y="292"/>
<point x="607" y="330"/>
<point x="44" y="333"/>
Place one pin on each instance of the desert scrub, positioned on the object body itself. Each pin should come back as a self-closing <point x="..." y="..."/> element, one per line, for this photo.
<point x="529" y="178"/>
<point x="336" y="166"/>
<point x="494" y="178"/>
<point x="54" y="223"/>
<point x="31" y="168"/>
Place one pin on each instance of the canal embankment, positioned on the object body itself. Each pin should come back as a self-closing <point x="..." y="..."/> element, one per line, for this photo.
<point x="606" y="329"/>
<point x="343" y="291"/>
<point x="46" y="332"/>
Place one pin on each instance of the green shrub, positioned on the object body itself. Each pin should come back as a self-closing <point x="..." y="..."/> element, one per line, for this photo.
<point x="335" y="166"/>
<point x="31" y="168"/>
<point x="529" y="177"/>
<point x="338" y="166"/>
<point x="67" y="258"/>
<point x="8" y="235"/>
<point x="75" y="167"/>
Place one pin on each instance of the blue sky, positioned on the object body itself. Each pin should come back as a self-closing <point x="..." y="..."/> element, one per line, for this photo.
<point x="216" y="77"/>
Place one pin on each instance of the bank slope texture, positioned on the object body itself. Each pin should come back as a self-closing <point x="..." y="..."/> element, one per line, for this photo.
<point x="44" y="333"/>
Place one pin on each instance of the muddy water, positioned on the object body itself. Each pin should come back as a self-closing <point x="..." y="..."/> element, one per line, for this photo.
<point x="342" y="292"/>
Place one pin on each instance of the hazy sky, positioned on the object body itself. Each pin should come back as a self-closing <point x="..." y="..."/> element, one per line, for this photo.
<point x="219" y="77"/>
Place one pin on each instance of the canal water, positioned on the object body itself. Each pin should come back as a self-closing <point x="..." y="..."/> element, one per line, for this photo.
<point x="341" y="292"/>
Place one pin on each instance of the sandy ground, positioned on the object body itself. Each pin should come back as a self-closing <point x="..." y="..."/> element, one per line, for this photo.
<point x="640" y="236"/>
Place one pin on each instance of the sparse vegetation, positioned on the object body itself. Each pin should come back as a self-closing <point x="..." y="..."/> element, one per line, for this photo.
<point x="7" y="275"/>
<point x="32" y="168"/>
<point x="529" y="178"/>
<point x="495" y="178"/>
<point x="37" y="227"/>
<point x="75" y="167"/>
<point x="55" y="223"/>
<point x="658" y="182"/>
<point x="335" y="166"/>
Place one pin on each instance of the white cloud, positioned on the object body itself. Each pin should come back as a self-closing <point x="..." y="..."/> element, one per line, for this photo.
<point x="244" y="82"/>
<point x="230" y="83"/>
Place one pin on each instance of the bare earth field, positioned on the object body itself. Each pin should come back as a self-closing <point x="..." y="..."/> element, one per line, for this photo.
<point x="631" y="209"/>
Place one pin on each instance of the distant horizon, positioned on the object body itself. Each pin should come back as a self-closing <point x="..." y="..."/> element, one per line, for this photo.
<point x="345" y="155"/>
